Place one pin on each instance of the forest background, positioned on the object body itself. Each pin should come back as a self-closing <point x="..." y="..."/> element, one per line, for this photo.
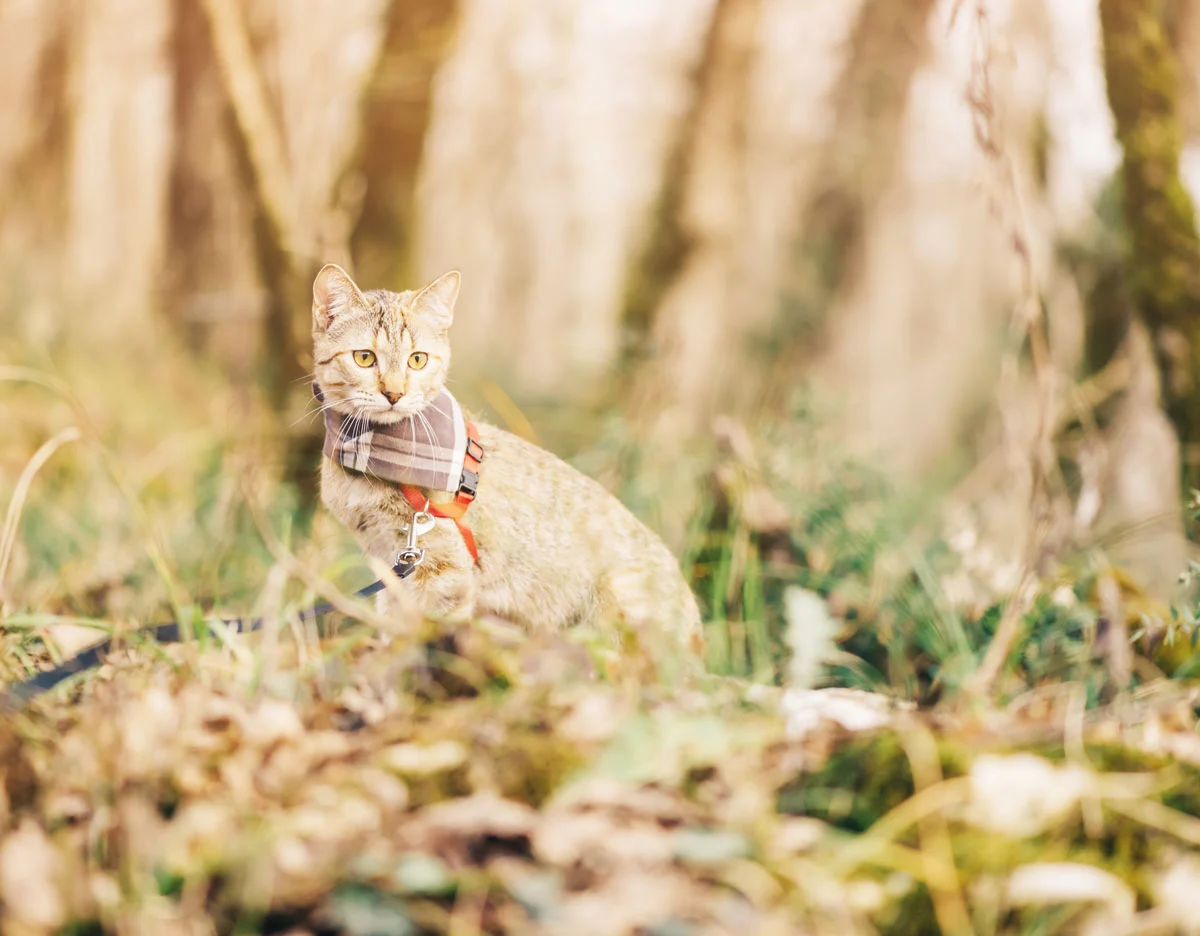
<point x="894" y="304"/>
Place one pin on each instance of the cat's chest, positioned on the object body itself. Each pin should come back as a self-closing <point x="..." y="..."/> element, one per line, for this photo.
<point x="358" y="501"/>
<point x="378" y="513"/>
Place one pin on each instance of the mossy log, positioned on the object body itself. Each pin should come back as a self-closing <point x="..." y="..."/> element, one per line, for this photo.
<point x="1164" y="258"/>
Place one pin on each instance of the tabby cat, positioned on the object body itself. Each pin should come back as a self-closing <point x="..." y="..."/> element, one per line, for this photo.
<point x="554" y="547"/>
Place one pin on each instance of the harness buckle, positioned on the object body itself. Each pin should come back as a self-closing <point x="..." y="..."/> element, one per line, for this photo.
<point x="469" y="483"/>
<point x="407" y="560"/>
<point x="477" y="452"/>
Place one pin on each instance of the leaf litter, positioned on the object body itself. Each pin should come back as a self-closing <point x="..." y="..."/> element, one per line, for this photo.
<point x="455" y="788"/>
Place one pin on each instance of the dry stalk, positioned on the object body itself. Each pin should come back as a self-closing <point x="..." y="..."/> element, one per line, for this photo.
<point x="1027" y="327"/>
<point x="933" y="830"/>
<point x="1117" y="649"/>
<point x="8" y="533"/>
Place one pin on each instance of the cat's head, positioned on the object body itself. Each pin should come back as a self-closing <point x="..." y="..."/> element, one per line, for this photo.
<point x="379" y="354"/>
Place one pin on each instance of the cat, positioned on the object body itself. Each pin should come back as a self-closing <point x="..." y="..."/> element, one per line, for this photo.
<point x="554" y="547"/>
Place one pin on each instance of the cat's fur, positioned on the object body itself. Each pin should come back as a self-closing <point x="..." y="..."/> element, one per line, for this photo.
<point x="555" y="548"/>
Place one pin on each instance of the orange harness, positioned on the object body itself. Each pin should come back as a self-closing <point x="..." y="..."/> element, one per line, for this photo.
<point x="467" y="488"/>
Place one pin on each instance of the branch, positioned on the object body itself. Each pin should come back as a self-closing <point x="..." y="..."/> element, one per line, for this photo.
<point x="260" y="135"/>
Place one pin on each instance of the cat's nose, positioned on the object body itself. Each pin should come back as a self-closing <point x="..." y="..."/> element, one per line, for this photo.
<point x="391" y="397"/>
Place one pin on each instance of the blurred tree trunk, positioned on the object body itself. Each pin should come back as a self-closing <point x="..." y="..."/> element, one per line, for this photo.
<point x="122" y="147"/>
<point x="33" y="39"/>
<point x="35" y="44"/>
<point x="550" y="126"/>
<point x="86" y="94"/>
<point x="1164" y="261"/>
<point x="761" y="187"/>
<point x="215" y="287"/>
<point x="268" y="124"/>
<point x="857" y="195"/>
<point x="397" y="109"/>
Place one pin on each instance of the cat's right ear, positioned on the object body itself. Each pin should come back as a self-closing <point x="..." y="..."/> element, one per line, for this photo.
<point x="334" y="295"/>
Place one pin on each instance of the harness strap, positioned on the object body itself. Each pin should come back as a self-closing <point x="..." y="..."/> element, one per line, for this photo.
<point x="467" y="487"/>
<point x="451" y="511"/>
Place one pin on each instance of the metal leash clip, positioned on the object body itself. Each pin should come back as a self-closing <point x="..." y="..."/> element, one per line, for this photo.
<point x="422" y="523"/>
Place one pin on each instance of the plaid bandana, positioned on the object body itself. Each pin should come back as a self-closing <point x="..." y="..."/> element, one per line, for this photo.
<point x="425" y="450"/>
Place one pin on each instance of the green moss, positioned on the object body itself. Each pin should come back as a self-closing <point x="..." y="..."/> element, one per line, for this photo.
<point x="912" y="913"/>
<point x="533" y="764"/>
<point x="859" y="782"/>
<point x="1164" y="257"/>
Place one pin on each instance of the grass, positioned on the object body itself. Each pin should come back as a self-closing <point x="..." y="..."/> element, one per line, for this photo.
<point x="483" y="780"/>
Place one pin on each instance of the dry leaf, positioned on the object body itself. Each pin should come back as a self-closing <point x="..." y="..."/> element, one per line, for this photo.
<point x="29" y="875"/>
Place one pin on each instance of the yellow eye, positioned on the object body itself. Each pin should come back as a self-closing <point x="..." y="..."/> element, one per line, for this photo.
<point x="364" y="358"/>
<point x="417" y="360"/>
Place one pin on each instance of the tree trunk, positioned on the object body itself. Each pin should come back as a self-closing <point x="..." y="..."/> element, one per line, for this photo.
<point x="796" y="102"/>
<point x="1164" y="260"/>
<point x="396" y="114"/>
<point x="550" y="127"/>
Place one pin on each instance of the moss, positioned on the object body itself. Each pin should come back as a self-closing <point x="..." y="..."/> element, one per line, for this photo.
<point x="912" y="913"/>
<point x="859" y="782"/>
<point x="1164" y="257"/>
<point x="533" y="763"/>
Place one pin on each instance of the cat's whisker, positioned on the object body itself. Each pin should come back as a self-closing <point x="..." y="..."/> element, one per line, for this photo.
<point x="344" y="430"/>
<point x="318" y="411"/>
<point x="428" y="427"/>
<point x="364" y="423"/>
<point x="412" y="428"/>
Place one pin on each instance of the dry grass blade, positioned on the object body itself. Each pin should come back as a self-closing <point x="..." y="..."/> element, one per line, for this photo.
<point x="154" y="548"/>
<point x="889" y="827"/>
<point x="340" y="601"/>
<point x="8" y="534"/>
<point x="937" y="849"/>
<point x="1157" y="816"/>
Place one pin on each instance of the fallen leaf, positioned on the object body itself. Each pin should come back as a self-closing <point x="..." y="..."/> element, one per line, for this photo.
<point x="29" y="872"/>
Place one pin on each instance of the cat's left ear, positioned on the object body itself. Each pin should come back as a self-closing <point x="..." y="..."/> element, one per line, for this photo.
<point x="436" y="301"/>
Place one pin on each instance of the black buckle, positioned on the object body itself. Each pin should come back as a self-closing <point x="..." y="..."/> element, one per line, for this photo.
<point x="470" y="442"/>
<point x="469" y="483"/>
<point x="403" y="569"/>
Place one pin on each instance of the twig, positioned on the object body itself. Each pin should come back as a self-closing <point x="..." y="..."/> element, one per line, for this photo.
<point x="1027" y="326"/>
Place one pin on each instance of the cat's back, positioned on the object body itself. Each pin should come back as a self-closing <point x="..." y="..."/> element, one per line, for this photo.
<point x="533" y="487"/>
<point x="574" y="530"/>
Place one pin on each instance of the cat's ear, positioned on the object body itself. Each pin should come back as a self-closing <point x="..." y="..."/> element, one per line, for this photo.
<point x="334" y="295"/>
<point x="436" y="301"/>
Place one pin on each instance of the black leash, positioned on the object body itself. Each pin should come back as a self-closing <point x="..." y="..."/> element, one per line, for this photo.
<point x="169" y="632"/>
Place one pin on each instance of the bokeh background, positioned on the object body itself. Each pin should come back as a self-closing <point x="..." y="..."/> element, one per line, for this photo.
<point x="884" y="313"/>
<point x="714" y="251"/>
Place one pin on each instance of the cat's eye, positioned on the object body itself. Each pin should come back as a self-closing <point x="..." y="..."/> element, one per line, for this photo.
<point x="364" y="358"/>
<point x="417" y="360"/>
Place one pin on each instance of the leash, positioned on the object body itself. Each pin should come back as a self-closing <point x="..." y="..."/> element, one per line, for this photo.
<point x="171" y="632"/>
